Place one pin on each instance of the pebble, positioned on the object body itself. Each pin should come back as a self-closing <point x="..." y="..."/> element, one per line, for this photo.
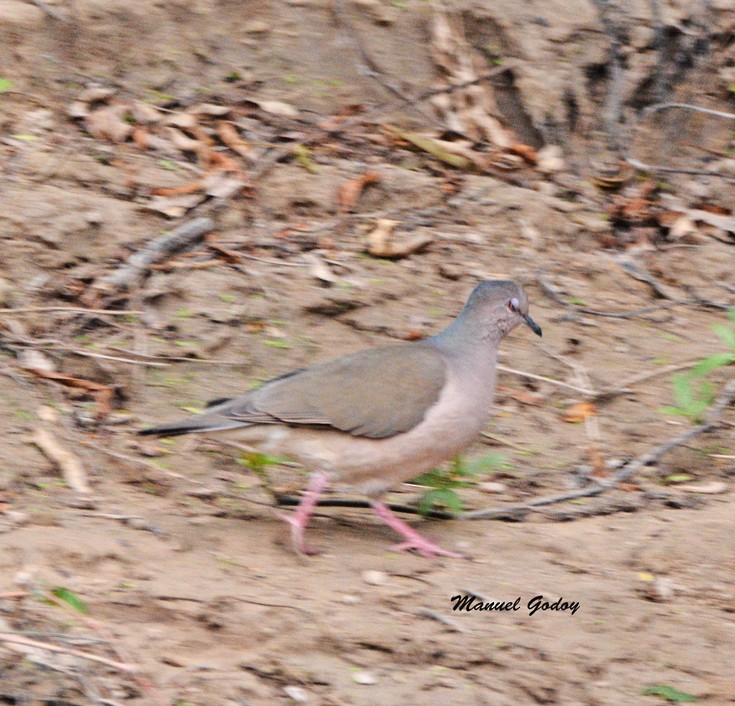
<point x="375" y="578"/>
<point x="366" y="678"/>
<point x="17" y="517"/>
<point x="297" y="693"/>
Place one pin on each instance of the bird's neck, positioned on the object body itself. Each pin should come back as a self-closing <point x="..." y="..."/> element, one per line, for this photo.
<point x="475" y="345"/>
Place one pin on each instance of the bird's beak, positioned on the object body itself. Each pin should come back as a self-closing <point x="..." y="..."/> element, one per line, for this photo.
<point x="532" y="324"/>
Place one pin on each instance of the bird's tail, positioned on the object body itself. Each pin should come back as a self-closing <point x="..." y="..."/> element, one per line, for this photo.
<point x="197" y="423"/>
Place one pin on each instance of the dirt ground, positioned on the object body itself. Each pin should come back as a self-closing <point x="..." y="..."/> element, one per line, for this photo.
<point x="194" y="596"/>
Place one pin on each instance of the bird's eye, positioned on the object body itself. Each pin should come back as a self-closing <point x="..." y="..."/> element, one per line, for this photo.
<point x="514" y="305"/>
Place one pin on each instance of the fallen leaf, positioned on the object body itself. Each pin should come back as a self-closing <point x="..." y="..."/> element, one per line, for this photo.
<point x="715" y="487"/>
<point x="350" y="191"/>
<point x="285" y="110"/>
<point x="579" y="412"/>
<point x="191" y="188"/>
<point x="526" y="151"/>
<point x="231" y="137"/>
<point x="175" y="206"/>
<point x="319" y="269"/>
<point x="209" y="109"/>
<point x="435" y="149"/>
<point x="109" y="123"/>
<point x="379" y="243"/>
<point x="103" y="394"/>
<point x="222" y="185"/>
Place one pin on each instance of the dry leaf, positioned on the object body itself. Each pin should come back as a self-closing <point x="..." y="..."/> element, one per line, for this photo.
<point x="231" y="137"/>
<point x="379" y="243"/>
<point x="109" y="123"/>
<point x="715" y="487"/>
<point x="469" y="110"/>
<point x="175" y="206"/>
<point x="216" y="111"/>
<point x="190" y="188"/>
<point x="222" y="185"/>
<point x="146" y="114"/>
<point x="103" y="394"/>
<point x="350" y="191"/>
<point x="277" y="108"/>
<point x="319" y="269"/>
<point x="579" y="412"/>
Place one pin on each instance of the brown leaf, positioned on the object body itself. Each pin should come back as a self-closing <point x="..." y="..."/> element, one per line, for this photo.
<point x="192" y="187"/>
<point x="529" y="398"/>
<point x="350" y="191"/>
<point x="379" y="243"/>
<point x="231" y="137"/>
<point x="103" y="394"/>
<point x="579" y="412"/>
<point x="109" y="123"/>
<point x="526" y="151"/>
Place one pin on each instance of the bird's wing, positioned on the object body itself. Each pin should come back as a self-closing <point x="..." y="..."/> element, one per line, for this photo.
<point x="376" y="393"/>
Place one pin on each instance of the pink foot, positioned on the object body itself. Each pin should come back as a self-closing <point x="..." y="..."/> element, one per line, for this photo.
<point x="300" y="518"/>
<point x="414" y="540"/>
<point x="297" y="534"/>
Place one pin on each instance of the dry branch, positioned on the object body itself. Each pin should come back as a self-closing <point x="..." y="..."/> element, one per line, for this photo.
<point x="712" y="419"/>
<point x="138" y="264"/>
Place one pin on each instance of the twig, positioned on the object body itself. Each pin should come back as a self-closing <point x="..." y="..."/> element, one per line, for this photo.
<point x="624" y="387"/>
<point x="137" y="265"/>
<point x="70" y="310"/>
<point x="70" y="466"/>
<point x="550" y="292"/>
<point x="102" y="356"/>
<point x="172" y="358"/>
<point x="20" y="640"/>
<point x="440" y="618"/>
<point x="141" y="680"/>
<point x="543" y="378"/>
<point x="675" y="170"/>
<point x="50" y="11"/>
<point x="712" y="419"/>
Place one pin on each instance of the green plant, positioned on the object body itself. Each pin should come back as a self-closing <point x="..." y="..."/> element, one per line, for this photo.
<point x="442" y="482"/>
<point x="669" y="693"/>
<point x="694" y="394"/>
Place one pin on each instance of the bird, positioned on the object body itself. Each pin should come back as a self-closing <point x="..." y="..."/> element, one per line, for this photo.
<point x="378" y="417"/>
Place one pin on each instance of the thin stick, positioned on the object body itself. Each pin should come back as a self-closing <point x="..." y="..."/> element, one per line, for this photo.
<point x="20" y="640"/>
<point x="71" y="310"/>
<point x="712" y="419"/>
<point x="551" y="381"/>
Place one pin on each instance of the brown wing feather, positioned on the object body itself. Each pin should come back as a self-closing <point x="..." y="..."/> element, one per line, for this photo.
<point x="376" y="393"/>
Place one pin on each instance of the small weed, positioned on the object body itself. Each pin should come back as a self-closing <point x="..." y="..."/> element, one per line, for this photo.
<point x="443" y="482"/>
<point x="692" y="393"/>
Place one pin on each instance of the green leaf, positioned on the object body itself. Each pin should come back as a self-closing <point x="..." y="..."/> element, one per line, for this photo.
<point x="678" y="478"/>
<point x="276" y="343"/>
<point x="726" y="334"/>
<point x="712" y="362"/>
<point x="440" y="496"/>
<point x="669" y="693"/>
<point x="64" y="594"/>
<point x="5" y="85"/>
<point x="482" y="464"/>
<point x="683" y="393"/>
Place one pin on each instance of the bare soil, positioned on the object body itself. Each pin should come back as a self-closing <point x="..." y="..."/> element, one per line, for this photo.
<point x="177" y="552"/>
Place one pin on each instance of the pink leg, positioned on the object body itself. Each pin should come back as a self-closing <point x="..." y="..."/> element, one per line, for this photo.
<point x="299" y="519"/>
<point x="414" y="539"/>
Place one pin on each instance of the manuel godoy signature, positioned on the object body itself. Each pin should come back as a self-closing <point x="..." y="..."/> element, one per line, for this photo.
<point x="470" y="602"/>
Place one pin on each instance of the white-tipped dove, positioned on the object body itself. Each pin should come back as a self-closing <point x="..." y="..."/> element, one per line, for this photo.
<point x="378" y="417"/>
